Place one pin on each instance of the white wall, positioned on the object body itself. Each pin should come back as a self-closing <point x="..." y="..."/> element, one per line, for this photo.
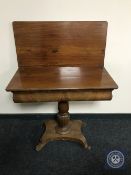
<point x="118" y="51"/>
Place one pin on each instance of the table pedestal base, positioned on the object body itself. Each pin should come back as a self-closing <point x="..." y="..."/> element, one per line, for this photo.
<point x="63" y="128"/>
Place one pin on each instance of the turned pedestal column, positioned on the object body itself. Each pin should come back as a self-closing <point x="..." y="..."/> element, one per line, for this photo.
<point x="63" y="118"/>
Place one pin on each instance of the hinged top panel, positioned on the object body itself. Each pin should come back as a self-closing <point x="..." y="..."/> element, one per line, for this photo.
<point x="60" y="43"/>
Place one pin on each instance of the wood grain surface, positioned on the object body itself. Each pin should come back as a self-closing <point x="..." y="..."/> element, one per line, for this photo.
<point x="60" y="43"/>
<point x="60" y="60"/>
<point x="60" y="78"/>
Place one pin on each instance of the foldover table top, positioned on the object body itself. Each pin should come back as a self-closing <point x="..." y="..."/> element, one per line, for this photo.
<point x="61" y="61"/>
<point x="61" y="78"/>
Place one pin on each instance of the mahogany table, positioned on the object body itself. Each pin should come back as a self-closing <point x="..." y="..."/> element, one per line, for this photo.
<point x="61" y="61"/>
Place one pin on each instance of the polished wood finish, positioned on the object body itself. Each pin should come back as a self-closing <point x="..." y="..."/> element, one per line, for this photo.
<point x="60" y="43"/>
<point x="61" y="61"/>
<point x="50" y="134"/>
<point x="61" y="83"/>
<point x="69" y="95"/>
<point x="63" y="129"/>
<point x="63" y="118"/>
<point x="61" y="78"/>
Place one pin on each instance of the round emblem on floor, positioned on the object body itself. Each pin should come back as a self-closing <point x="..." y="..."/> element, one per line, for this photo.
<point x="115" y="159"/>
